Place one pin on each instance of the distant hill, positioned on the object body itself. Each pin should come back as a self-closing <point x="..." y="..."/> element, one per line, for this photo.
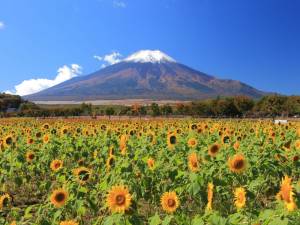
<point x="145" y="75"/>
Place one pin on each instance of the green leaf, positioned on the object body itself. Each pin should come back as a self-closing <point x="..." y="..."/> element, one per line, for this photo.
<point x="27" y="213"/>
<point x="45" y="222"/>
<point x="57" y="214"/>
<point x="198" y="220"/>
<point x="167" y="220"/>
<point x="278" y="221"/>
<point x="215" y="219"/>
<point x="267" y="214"/>
<point x="194" y="188"/>
<point x="235" y="218"/>
<point x="113" y="219"/>
<point x="83" y="189"/>
<point x="18" y="181"/>
<point x="155" y="220"/>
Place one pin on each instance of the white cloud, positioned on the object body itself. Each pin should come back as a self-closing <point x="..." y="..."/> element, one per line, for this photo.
<point x="99" y="58"/>
<point x="109" y="59"/>
<point x="119" y="4"/>
<point x="2" y="25"/>
<point x="32" y="86"/>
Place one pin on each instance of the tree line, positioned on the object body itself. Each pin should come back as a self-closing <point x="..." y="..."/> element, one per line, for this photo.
<point x="238" y="106"/>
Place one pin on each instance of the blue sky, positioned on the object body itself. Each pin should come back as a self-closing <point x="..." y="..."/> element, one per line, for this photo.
<point x="254" y="41"/>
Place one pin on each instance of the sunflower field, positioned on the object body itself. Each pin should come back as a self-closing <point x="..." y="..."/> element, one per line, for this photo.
<point x="158" y="171"/>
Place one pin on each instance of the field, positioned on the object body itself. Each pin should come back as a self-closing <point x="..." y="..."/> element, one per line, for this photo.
<point x="158" y="171"/>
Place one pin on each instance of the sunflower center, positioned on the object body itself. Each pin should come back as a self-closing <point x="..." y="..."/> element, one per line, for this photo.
<point x="226" y="139"/>
<point x="194" y="163"/>
<point x="120" y="199"/>
<point x="171" y="202"/>
<point x="150" y="163"/>
<point x="5" y="201"/>
<point x="57" y="165"/>
<point x="173" y="140"/>
<point x="84" y="175"/>
<point x="60" y="197"/>
<point x="240" y="197"/>
<point x="111" y="161"/>
<point x="214" y="149"/>
<point x="288" y="144"/>
<point x="31" y="156"/>
<point x="239" y="164"/>
<point x="8" y="141"/>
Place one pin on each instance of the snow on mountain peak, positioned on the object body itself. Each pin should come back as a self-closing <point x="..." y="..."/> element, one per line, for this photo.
<point x="145" y="56"/>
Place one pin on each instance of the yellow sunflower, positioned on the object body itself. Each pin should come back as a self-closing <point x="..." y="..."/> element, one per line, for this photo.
<point x="236" y="145"/>
<point x="237" y="163"/>
<point x="83" y="174"/>
<point x="111" y="150"/>
<point x="4" y="200"/>
<point x="59" y="197"/>
<point x="192" y="142"/>
<point x="151" y="137"/>
<point x="287" y="145"/>
<point x="297" y="144"/>
<point x="123" y="144"/>
<point x="30" y="141"/>
<point x="169" y="202"/>
<point x="56" y="164"/>
<point x="30" y="156"/>
<point x="46" y="126"/>
<point x="171" y="140"/>
<point x="239" y="197"/>
<point x="64" y="131"/>
<point x="286" y="188"/>
<point x="118" y="199"/>
<point x="68" y="222"/>
<point x="193" y="162"/>
<point x="8" y="141"/>
<point x="110" y="162"/>
<point x="46" y="139"/>
<point x="193" y="126"/>
<point x="225" y="139"/>
<point x="290" y="206"/>
<point x="150" y="163"/>
<point x="214" y="149"/>
<point x="1" y="144"/>
<point x="286" y="194"/>
<point x="210" y="193"/>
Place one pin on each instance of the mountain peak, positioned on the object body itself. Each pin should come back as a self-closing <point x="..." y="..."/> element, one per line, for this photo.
<point x="152" y="56"/>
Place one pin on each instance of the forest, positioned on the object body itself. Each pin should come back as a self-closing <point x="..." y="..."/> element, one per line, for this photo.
<point x="220" y="107"/>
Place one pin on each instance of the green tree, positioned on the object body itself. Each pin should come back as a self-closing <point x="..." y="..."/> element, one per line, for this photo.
<point x="166" y="110"/>
<point x="243" y="104"/>
<point x="109" y="111"/>
<point x="273" y="105"/>
<point x="155" y="109"/>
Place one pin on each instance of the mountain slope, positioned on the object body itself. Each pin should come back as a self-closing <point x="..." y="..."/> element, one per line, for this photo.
<point x="145" y="75"/>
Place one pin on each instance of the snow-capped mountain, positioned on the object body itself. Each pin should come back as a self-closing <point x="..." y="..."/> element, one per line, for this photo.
<point x="145" y="74"/>
<point x="145" y="56"/>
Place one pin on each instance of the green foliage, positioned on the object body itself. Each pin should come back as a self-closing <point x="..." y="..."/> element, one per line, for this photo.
<point x="88" y="142"/>
<point x="238" y="106"/>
